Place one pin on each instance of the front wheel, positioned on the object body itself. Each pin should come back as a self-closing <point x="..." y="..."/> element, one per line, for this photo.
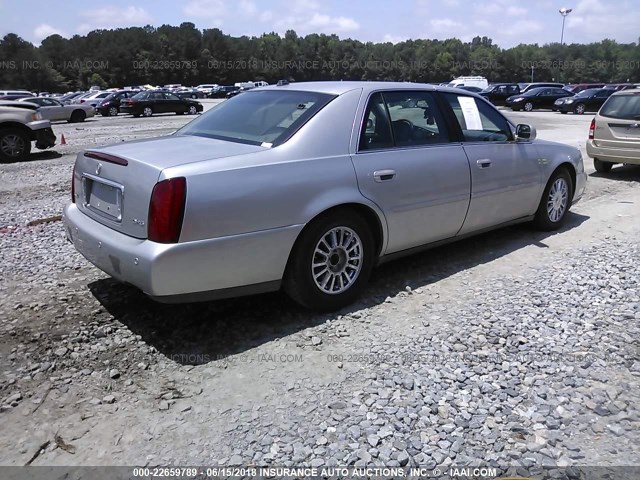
<point x="193" y="110"/>
<point x="113" y="111"/>
<point x="77" y="116"/>
<point x="528" y="107"/>
<point x="579" y="109"/>
<point x="555" y="201"/>
<point x="15" y="145"/>
<point x="331" y="262"/>
<point x="602" y="167"/>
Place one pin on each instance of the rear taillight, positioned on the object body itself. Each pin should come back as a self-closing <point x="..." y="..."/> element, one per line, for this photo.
<point x="592" y="129"/>
<point x="166" y="210"/>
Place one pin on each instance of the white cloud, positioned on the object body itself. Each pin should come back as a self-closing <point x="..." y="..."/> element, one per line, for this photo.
<point x="592" y="20"/>
<point x="266" y="16"/>
<point x="516" y="11"/>
<point x="43" y="30"/>
<point x="446" y="25"/>
<point x="394" y="38"/>
<point x="214" y="9"/>
<point x="317" y="23"/>
<point x="248" y="8"/>
<point x="112" y="16"/>
<point x="523" y="27"/>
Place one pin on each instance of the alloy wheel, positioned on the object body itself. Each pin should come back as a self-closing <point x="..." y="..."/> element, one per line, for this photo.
<point x="337" y="260"/>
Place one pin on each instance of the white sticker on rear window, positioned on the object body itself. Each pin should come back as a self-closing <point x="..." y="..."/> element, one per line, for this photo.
<point x="470" y="112"/>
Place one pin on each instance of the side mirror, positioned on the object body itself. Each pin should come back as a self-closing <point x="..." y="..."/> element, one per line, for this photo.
<point x="525" y="132"/>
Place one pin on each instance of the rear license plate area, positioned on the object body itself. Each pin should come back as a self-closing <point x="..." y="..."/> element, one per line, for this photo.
<point x="103" y="197"/>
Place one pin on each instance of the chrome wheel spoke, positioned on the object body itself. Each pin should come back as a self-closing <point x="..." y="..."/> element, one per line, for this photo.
<point x="337" y="260"/>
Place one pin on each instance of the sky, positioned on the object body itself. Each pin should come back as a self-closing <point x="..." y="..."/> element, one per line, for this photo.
<point x="507" y="22"/>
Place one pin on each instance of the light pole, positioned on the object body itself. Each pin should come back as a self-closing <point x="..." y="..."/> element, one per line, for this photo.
<point x="564" y="12"/>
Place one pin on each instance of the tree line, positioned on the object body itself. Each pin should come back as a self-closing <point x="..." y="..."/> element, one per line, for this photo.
<point x="188" y="56"/>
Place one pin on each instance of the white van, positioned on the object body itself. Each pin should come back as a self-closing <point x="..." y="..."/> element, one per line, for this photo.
<point x="480" y="82"/>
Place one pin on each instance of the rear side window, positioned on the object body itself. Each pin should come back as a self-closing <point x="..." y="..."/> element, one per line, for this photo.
<point x="415" y="118"/>
<point x="259" y="117"/>
<point x="626" y="107"/>
<point x="376" y="131"/>
<point x="479" y="121"/>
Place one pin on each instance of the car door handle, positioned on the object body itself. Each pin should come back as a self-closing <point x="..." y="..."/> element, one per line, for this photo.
<point x="383" y="175"/>
<point x="484" y="163"/>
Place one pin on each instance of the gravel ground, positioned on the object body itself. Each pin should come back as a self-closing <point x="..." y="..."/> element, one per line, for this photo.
<point x="515" y="348"/>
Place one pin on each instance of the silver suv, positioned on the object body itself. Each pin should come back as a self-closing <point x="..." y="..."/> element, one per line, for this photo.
<point x="614" y="134"/>
<point x="21" y="124"/>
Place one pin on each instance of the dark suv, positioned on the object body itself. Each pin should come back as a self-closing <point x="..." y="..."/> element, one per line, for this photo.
<point x="110" y="105"/>
<point x="498" y="93"/>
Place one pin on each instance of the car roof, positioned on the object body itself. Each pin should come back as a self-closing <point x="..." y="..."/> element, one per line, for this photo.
<point x="628" y="91"/>
<point x="340" y="87"/>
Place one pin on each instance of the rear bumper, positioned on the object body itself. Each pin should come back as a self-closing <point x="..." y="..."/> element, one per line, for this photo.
<point x="614" y="155"/>
<point x="183" y="269"/>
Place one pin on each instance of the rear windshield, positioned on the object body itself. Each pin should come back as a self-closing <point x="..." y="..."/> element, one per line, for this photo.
<point x="625" y="107"/>
<point x="258" y="117"/>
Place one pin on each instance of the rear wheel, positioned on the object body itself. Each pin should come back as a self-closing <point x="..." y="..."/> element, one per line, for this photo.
<point x="528" y="106"/>
<point x="331" y="262"/>
<point x="14" y="145"/>
<point x="77" y="116"/>
<point x="602" y="167"/>
<point x="579" y="108"/>
<point x="555" y="201"/>
<point x="147" y="111"/>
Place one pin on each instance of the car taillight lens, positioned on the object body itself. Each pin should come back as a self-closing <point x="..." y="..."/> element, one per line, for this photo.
<point x="592" y="129"/>
<point x="166" y="210"/>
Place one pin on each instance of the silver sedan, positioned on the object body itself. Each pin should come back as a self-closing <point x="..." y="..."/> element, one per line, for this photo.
<point x="308" y="186"/>
<point x="52" y="109"/>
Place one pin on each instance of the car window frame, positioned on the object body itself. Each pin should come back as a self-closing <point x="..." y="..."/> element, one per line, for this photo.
<point x="394" y="146"/>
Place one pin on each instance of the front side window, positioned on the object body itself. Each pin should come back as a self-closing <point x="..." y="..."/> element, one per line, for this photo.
<point x="479" y="121"/>
<point x="259" y="117"/>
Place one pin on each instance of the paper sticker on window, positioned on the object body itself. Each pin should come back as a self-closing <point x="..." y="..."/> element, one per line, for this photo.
<point x="470" y="112"/>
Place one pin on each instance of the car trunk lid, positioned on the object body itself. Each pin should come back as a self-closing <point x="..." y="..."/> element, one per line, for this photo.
<point x="113" y="184"/>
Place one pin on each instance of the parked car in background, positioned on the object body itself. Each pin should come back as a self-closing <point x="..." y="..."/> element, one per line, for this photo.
<point x="577" y="88"/>
<point x="151" y="102"/>
<point x="222" y="91"/>
<point x="207" y="88"/>
<point x="472" y="81"/>
<point x="614" y="133"/>
<point x="618" y="86"/>
<point x="69" y="97"/>
<point x="110" y="105"/>
<point x="530" y="86"/>
<point x="589" y="100"/>
<point x="94" y="98"/>
<point x="308" y="186"/>
<point x="52" y="109"/>
<point x="189" y="93"/>
<point x="14" y="94"/>
<point x="21" y="124"/>
<point x="541" y="97"/>
<point x="238" y="91"/>
<point x="470" y="88"/>
<point x="80" y="98"/>
<point x="497" y="93"/>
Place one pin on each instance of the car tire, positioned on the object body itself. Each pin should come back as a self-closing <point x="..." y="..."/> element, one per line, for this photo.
<point x="135" y="115"/>
<point x="147" y="111"/>
<point x="602" y="167"/>
<point x="15" y="145"/>
<point x="579" y="109"/>
<point x="193" y="95"/>
<point x="555" y="201"/>
<point x="193" y="110"/>
<point x="528" y="107"/>
<point x="77" y="116"/>
<point x="563" y="112"/>
<point x="305" y="274"/>
<point x="113" y="111"/>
